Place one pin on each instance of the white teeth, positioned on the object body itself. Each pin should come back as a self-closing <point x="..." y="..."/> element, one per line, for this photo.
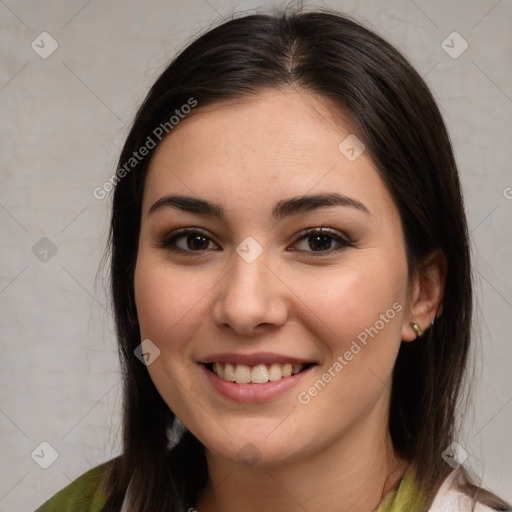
<point x="275" y="372"/>
<point x="229" y="372"/>
<point x="242" y="374"/>
<point x="259" y="374"/>
<point x="217" y="368"/>
<point x="287" y="370"/>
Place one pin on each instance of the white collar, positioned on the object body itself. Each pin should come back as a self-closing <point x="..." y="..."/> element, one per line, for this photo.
<point x="450" y="498"/>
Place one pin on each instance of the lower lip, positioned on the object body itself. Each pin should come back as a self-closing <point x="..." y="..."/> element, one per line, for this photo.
<point x="253" y="393"/>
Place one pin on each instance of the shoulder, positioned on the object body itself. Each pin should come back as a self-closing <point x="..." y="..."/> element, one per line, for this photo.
<point x="450" y="499"/>
<point x="85" y="494"/>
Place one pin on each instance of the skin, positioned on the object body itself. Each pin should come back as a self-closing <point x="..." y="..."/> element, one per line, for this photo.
<point x="333" y="453"/>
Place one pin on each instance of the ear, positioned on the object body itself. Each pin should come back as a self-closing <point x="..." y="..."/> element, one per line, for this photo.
<point x="426" y="292"/>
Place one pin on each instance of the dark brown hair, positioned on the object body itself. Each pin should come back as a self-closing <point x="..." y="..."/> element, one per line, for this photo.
<point x="396" y="117"/>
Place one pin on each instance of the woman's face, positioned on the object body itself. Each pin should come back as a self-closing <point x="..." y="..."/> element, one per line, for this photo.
<point x="237" y="282"/>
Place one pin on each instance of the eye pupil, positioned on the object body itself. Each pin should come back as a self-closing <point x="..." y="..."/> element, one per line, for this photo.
<point x="200" y="240"/>
<point x="320" y="242"/>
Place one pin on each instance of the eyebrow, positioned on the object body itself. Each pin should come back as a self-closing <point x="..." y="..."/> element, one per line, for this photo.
<point x="284" y="208"/>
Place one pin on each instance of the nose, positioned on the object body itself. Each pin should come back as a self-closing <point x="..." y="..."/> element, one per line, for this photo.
<point x="250" y="298"/>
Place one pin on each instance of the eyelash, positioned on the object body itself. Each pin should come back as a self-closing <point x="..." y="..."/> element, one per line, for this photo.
<point x="169" y="242"/>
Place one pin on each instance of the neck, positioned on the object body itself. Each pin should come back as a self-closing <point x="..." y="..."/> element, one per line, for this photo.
<point x="354" y="474"/>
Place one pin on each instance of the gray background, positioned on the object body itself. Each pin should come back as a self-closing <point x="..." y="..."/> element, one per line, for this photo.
<point x="63" y="120"/>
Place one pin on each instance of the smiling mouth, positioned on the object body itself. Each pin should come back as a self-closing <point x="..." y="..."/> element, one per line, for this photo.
<point x="258" y="374"/>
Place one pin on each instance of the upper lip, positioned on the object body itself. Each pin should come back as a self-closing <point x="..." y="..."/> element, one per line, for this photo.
<point x="252" y="359"/>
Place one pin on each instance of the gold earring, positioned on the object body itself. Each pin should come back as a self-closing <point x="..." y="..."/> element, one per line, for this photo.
<point x="416" y="327"/>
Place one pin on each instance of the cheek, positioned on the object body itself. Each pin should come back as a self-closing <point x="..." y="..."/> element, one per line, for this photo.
<point x="360" y="311"/>
<point x="170" y="303"/>
<point x="360" y="301"/>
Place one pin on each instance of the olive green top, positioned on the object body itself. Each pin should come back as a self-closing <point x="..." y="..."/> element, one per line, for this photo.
<point x="86" y="494"/>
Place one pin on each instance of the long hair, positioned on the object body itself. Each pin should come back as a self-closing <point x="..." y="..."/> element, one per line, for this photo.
<point x="397" y="119"/>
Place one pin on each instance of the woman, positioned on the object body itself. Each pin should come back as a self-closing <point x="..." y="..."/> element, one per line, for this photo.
<point x="291" y="279"/>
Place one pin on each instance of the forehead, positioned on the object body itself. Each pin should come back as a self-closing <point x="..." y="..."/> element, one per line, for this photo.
<point x="276" y="144"/>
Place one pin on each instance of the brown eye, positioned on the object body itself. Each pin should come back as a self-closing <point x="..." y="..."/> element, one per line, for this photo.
<point x="196" y="242"/>
<point x="188" y="240"/>
<point x="322" y="241"/>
